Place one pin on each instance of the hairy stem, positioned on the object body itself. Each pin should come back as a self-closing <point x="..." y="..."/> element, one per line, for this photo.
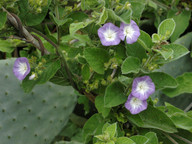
<point x="171" y="139"/>
<point x="16" y="22"/>
<point x="182" y="138"/>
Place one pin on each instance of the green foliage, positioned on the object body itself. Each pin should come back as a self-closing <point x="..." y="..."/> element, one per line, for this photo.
<point x="50" y="70"/>
<point x="172" y="52"/>
<point x="124" y="140"/>
<point x="93" y="127"/>
<point x="138" y="139"/>
<point x="96" y="57"/>
<point x="30" y="18"/>
<point x="99" y="104"/>
<point x="182" y="21"/>
<point x="124" y="17"/>
<point x="131" y="65"/>
<point x="152" y="138"/>
<point x="163" y="80"/>
<point x="114" y="94"/>
<point x="38" y="116"/>
<point x="3" y="16"/>
<point x="166" y="28"/>
<point x="153" y="118"/>
<point x="6" y="46"/>
<point x="184" y="84"/>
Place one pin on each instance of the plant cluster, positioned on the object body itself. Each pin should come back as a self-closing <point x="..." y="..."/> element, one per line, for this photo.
<point x="118" y="66"/>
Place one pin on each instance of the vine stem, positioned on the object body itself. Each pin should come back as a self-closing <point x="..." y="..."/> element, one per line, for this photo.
<point x="188" y="107"/>
<point x="16" y="22"/>
<point x="182" y="138"/>
<point x="171" y="139"/>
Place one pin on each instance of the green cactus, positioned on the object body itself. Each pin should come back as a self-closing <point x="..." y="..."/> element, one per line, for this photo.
<point x="33" y="118"/>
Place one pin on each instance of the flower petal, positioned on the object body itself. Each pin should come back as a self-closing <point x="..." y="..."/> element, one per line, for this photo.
<point x="143" y="87"/>
<point x="129" y="31"/>
<point x="21" y="68"/>
<point x="108" y="34"/>
<point x="135" y="105"/>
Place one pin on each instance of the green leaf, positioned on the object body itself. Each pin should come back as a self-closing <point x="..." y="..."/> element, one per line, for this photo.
<point x="170" y="109"/>
<point x="96" y="57"/>
<point x="91" y="4"/>
<point x="166" y="52"/>
<point x="103" y="17"/>
<point x="166" y="28"/>
<point x="99" y="104"/>
<point x="163" y="80"/>
<point x="6" y="46"/>
<point x="85" y="101"/>
<point x="152" y="137"/>
<point x="85" y="72"/>
<point x="59" y="22"/>
<point x="114" y="94"/>
<point x="182" y="21"/>
<point x="29" y="18"/>
<point x="124" y="140"/>
<point x="131" y="65"/>
<point x="153" y="118"/>
<point x="3" y="16"/>
<point x="136" y="50"/>
<point x="137" y="8"/>
<point x="138" y="139"/>
<point x="50" y="69"/>
<point x="152" y="4"/>
<point x="125" y="17"/>
<point x="111" y="130"/>
<point x="93" y="126"/>
<point x="83" y="38"/>
<point x="182" y="121"/>
<point x="156" y="38"/>
<point x="185" y="40"/>
<point x="184" y="86"/>
<point x="178" y="52"/>
<point x="60" y="78"/>
<point x="145" y="39"/>
<point x="79" y="25"/>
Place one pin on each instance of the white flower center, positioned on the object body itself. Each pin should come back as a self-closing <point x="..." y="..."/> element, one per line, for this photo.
<point x="135" y="102"/>
<point x="142" y="87"/>
<point x="22" y="68"/>
<point x="128" y="31"/>
<point x="110" y="35"/>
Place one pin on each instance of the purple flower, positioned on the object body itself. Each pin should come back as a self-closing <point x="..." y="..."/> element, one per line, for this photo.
<point x="143" y="87"/>
<point x="108" y="34"/>
<point x="130" y="31"/>
<point x="135" y="105"/>
<point x="21" y="68"/>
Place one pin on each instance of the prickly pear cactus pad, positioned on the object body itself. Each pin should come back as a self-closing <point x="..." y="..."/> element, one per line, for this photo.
<point x="33" y="118"/>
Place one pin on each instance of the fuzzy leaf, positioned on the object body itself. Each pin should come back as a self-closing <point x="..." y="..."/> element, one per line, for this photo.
<point x="3" y="16"/>
<point x="96" y="57"/>
<point x="163" y="80"/>
<point x="166" y="28"/>
<point x="114" y="94"/>
<point x="131" y="65"/>
<point x="124" y="140"/>
<point x="184" y="86"/>
<point x="99" y="104"/>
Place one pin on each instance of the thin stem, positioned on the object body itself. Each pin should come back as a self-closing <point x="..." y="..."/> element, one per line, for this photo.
<point x="188" y="107"/>
<point x="182" y="138"/>
<point x="171" y="139"/>
<point x="58" y="17"/>
<point x="162" y="5"/>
